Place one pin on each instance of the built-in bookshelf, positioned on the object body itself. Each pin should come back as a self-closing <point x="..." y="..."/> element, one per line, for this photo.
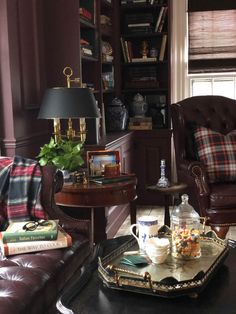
<point x="82" y="34"/>
<point x="145" y="56"/>
<point x="107" y="47"/>
<point x="118" y="49"/>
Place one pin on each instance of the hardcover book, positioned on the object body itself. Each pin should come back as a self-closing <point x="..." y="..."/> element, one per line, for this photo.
<point x="163" y="48"/>
<point x="18" y="231"/>
<point x="109" y="180"/>
<point x="63" y="240"/>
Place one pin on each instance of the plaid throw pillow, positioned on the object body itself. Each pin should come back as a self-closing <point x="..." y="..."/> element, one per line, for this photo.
<point x="218" y="153"/>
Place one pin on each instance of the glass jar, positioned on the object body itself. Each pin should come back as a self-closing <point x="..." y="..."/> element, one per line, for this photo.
<point x="185" y="225"/>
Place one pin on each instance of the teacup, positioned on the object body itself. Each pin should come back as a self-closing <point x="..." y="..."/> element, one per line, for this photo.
<point x="157" y="249"/>
<point x="146" y="227"/>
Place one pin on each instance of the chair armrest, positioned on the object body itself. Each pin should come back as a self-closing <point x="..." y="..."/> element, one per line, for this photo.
<point x="193" y="173"/>
<point x="197" y="170"/>
<point x="52" y="182"/>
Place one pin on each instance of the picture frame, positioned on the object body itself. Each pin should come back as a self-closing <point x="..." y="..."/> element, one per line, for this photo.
<point x="96" y="161"/>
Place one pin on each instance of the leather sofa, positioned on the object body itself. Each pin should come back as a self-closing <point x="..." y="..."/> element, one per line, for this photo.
<point x="32" y="282"/>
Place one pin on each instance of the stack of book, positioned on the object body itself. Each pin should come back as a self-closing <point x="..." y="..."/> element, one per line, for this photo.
<point x="86" y="48"/>
<point x="142" y="123"/>
<point x="86" y="14"/>
<point x="17" y="238"/>
<point x="139" y="23"/>
<point x="142" y="77"/>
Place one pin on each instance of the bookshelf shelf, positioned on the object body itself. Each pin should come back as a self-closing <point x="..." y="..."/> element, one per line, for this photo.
<point x="141" y="35"/>
<point x="138" y="6"/>
<point x="130" y="64"/>
<point x="88" y="58"/>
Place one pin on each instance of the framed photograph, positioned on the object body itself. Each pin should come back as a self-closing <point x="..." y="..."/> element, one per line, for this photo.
<point x="97" y="160"/>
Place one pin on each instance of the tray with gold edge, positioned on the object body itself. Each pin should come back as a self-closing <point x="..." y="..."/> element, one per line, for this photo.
<point x="173" y="278"/>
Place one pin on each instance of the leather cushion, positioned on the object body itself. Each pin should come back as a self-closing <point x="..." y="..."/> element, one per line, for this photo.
<point x="218" y="153"/>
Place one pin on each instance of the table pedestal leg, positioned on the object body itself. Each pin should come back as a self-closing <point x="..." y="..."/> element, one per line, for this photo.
<point x="167" y="211"/>
<point x="133" y="212"/>
<point x="92" y="225"/>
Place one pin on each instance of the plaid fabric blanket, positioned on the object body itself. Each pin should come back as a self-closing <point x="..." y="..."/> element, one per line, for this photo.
<point x="20" y="187"/>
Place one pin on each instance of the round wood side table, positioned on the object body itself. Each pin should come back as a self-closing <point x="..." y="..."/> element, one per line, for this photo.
<point x="96" y="197"/>
<point x="168" y="193"/>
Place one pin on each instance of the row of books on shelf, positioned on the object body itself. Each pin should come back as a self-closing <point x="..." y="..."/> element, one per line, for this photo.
<point x="141" y="77"/>
<point x="128" y="53"/>
<point x="144" y="22"/>
<point x="32" y="236"/>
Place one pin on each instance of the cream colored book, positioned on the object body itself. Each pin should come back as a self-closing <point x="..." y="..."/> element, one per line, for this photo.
<point x="163" y="47"/>
<point x="63" y="240"/>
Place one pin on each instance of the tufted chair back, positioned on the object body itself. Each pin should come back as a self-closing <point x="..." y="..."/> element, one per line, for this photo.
<point x="218" y="114"/>
<point x="215" y="112"/>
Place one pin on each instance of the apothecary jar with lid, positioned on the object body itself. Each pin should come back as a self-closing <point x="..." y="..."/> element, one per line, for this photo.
<point x="185" y="226"/>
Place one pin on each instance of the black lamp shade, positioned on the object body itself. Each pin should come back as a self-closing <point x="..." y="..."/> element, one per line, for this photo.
<point x="64" y="103"/>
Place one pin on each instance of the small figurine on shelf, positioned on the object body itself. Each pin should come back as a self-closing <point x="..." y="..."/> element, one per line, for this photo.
<point x="144" y="49"/>
<point x="163" y="182"/>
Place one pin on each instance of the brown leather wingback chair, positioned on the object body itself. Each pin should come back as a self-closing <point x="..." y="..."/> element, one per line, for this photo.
<point x="217" y="201"/>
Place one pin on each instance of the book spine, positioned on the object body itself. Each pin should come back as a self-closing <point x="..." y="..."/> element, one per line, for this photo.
<point x="159" y="18"/>
<point x="163" y="48"/>
<point x="19" y="237"/>
<point x="162" y="20"/>
<point x="123" y="49"/>
<point x="23" y="247"/>
<point x="127" y="51"/>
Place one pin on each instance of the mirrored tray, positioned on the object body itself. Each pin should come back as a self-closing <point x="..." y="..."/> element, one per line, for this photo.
<point x="175" y="277"/>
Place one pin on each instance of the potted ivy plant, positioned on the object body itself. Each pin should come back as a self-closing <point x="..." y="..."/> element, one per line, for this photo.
<point x="64" y="154"/>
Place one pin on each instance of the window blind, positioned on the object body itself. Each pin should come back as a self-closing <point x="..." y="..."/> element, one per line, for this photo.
<point x="212" y="36"/>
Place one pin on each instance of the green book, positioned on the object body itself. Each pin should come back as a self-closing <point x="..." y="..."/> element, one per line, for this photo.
<point x="17" y="232"/>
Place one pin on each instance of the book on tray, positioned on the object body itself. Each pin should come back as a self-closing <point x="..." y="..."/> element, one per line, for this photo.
<point x="63" y="240"/>
<point x="25" y="231"/>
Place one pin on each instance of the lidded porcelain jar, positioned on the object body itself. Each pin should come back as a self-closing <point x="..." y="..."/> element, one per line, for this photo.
<point x="185" y="225"/>
<point x="139" y="106"/>
<point x="116" y="116"/>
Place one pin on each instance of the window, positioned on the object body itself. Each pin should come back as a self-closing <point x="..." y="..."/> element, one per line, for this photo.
<point x="212" y="47"/>
<point x="213" y="85"/>
<point x="212" y="36"/>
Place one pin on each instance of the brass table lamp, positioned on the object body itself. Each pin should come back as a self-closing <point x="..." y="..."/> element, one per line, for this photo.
<point x="69" y="103"/>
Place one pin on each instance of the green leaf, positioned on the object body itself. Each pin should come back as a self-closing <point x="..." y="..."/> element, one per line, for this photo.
<point x="64" y="154"/>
